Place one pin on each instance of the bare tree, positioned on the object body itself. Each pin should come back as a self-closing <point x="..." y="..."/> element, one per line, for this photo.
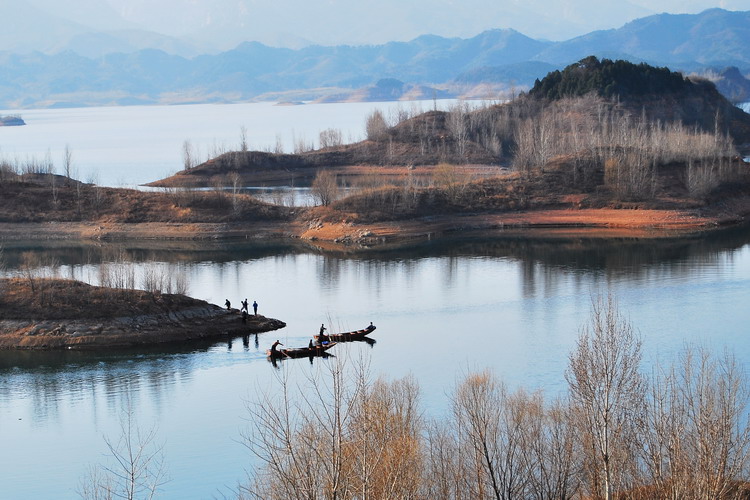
<point x="607" y="391"/>
<point x="324" y="187"/>
<point x="189" y="157"/>
<point x="343" y="437"/>
<point x="330" y="138"/>
<point x="278" y="146"/>
<point x="376" y="126"/>
<point x="67" y="163"/>
<point x="451" y="179"/>
<point x="235" y="180"/>
<point x="551" y="449"/>
<point x="696" y="438"/>
<point x="491" y="422"/>
<point x="456" y="121"/>
<point x="137" y="469"/>
<point x="243" y="139"/>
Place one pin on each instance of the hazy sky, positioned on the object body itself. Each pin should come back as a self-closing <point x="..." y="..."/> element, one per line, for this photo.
<point x="224" y="23"/>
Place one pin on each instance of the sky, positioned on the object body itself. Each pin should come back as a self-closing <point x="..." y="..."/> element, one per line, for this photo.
<point x="222" y="24"/>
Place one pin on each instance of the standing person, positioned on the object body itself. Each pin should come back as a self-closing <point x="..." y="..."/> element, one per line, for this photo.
<point x="244" y="317"/>
<point x="228" y="304"/>
<point x="244" y="306"/>
<point x="274" y="351"/>
<point x="322" y="337"/>
<point x="255" y="308"/>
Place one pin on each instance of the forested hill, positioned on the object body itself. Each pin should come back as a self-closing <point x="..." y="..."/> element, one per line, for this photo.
<point x="608" y="78"/>
<point x="659" y="93"/>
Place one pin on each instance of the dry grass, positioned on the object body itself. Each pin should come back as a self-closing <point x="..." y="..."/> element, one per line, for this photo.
<point x="39" y="201"/>
<point x="55" y="299"/>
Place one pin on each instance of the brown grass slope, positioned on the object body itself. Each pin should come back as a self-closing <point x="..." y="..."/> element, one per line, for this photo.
<point x="37" y="199"/>
<point x="553" y="188"/>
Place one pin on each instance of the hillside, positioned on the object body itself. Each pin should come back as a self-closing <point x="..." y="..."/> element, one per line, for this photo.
<point x="661" y="94"/>
<point x="39" y="198"/>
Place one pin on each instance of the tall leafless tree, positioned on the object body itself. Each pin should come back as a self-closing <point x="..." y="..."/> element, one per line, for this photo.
<point x="607" y="389"/>
<point x="137" y="470"/>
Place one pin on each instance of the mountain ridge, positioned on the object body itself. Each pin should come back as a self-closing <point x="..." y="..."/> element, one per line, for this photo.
<point x="498" y="60"/>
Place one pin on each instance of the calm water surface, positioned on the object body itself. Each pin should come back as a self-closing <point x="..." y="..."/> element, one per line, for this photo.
<point x="511" y="305"/>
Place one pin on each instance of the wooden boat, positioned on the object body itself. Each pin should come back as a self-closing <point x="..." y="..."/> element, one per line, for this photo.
<point x="301" y="352"/>
<point x="347" y="336"/>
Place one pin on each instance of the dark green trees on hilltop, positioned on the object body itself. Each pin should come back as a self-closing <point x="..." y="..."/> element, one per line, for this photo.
<point x="608" y="78"/>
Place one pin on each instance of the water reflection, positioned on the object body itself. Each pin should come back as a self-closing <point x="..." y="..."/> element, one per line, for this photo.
<point x="579" y="254"/>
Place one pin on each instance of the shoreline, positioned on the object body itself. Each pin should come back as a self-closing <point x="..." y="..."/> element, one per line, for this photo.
<point x="599" y="222"/>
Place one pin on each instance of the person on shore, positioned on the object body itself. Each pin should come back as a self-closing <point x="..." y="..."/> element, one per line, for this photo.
<point x="255" y="307"/>
<point x="310" y="344"/>
<point x="244" y="317"/>
<point x="228" y="304"/>
<point x="275" y="351"/>
<point x="244" y="306"/>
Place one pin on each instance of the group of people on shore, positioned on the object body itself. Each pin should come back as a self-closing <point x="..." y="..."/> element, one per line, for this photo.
<point x="244" y="308"/>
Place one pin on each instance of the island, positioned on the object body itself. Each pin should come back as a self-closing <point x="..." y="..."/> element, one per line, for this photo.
<point x="65" y="314"/>
<point x="11" y="121"/>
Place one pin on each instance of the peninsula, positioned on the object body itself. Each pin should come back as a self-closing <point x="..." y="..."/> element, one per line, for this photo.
<point x="64" y="314"/>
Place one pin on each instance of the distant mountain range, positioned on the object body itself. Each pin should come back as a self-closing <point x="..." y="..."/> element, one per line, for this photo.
<point x="708" y="42"/>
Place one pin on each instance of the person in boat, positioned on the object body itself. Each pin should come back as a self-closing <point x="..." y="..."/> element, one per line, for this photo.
<point x="322" y="337"/>
<point x="255" y="307"/>
<point x="244" y="306"/>
<point x="371" y="326"/>
<point x="275" y="351"/>
<point x="228" y="304"/>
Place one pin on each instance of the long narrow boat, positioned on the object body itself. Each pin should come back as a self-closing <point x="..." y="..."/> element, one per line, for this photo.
<point x="347" y="336"/>
<point x="300" y="352"/>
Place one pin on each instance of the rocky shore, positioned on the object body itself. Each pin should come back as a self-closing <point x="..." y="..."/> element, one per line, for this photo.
<point x="63" y="314"/>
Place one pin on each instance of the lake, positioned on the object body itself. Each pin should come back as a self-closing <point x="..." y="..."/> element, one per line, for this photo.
<point x="443" y="309"/>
